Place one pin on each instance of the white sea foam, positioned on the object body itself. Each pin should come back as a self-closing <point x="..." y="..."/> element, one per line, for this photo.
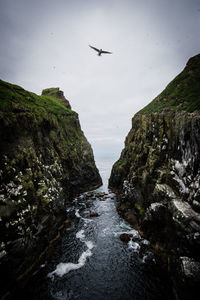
<point x="64" y="268"/>
<point x="80" y="234"/>
<point x="148" y="258"/>
<point x="134" y="246"/>
<point x="69" y="209"/>
<point x="83" y="258"/>
<point x="124" y="225"/>
<point x="89" y="244"/>
<point x="135" y="233"/>
<point x="105" y="231"/>
<point x="145" y="242"/>
<point x="86" y="220"/>
<point x="79" y="216"/>
<point x="77" y="213"/>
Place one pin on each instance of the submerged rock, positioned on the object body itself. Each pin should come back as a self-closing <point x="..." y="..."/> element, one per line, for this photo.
<point x="100" y="195"/>
<point x="125" y="237"/>
<point x="45" y="159"/>
<point x="89" y="195"/>
<point x="93" y="214"/>
<point x="158" y="173"/>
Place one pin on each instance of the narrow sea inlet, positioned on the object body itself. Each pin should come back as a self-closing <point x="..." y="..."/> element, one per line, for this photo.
<point x="91" y="261"/>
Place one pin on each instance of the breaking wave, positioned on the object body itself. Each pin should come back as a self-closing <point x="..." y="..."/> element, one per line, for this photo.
<point x="64" y="268"/>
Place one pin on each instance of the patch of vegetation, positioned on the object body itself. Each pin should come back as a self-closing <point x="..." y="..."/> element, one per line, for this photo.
<point x="50" y="91"/>
<point x="183" y="93"/>
<point x="45" y="117"/>
<point x="120" y="163"/>
<point x="127" y="204"/>
<point x="139" y="209"/>
<point x="13" y="98"/>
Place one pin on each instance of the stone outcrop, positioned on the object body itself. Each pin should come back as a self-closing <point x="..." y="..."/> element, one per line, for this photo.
<point x="57" y="93"/>
<point x="158" y="176"/>
<point x="45" y="159"/>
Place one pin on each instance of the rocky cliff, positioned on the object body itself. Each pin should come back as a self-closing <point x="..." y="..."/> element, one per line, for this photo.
<point x="158" y="176"/>
<point x="45" y="159"/>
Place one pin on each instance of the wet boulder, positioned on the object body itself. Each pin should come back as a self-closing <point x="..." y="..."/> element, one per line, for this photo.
<point x="125" y="237"/>
<point x="101" y="195"/>
<point x="184" y="216"/>
<point x="89" y="195"/>
<point x="93" y="214"/>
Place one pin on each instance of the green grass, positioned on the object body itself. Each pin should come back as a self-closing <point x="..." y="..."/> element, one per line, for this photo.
<point x="182" y="93"/>
<point x="14" y="98"/>
<point x="51" y="91"/>
<point x="139" y="209"/>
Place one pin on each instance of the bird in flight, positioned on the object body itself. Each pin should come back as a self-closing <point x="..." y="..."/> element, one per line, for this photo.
<point x="100" y="51"/>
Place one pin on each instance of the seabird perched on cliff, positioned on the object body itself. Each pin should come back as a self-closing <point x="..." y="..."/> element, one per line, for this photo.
<point x="100" y="51"/>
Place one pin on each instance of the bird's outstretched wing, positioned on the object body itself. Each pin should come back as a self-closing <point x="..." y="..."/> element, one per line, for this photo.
<point x="94" y="48"/>
<point x="107" y="52"/>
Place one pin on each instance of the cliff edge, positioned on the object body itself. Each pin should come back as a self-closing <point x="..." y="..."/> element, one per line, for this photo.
<point x="45" y="159"/>
<point x="158" y="176"/>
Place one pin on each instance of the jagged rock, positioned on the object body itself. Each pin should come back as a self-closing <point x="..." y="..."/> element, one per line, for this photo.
<point x="158" y="172"/>
<point x="187" y="277"/>
<point x="185" y="216"/>
<point x="100" y="195"/>
<point x="156" y="212"/>
<point x="45" y="160"/>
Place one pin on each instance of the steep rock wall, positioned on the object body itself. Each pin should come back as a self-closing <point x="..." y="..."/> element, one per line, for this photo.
<point x="44" y="160"/>
<point x="158" y="177"/>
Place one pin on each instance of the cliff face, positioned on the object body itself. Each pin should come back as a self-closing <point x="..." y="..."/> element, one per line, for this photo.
<point x="44" y="160"/>
<point x="158" y="177"/>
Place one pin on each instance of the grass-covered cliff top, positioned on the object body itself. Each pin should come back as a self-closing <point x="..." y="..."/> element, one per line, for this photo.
<point x="51" y="92"/>
<point x="55" y="92"/>
<point x="13" y="98"/>
<point x="182" y="93"/>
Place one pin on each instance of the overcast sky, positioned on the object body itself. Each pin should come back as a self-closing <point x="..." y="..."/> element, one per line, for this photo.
<point x="45" y="44"/>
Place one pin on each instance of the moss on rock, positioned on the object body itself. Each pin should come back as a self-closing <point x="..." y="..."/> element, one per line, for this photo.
<point x="44" y="160"/>
<point x="158" y="173"/>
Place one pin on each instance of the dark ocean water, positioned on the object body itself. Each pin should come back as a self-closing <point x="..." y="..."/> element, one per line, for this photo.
<point x="91" y="262"/>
